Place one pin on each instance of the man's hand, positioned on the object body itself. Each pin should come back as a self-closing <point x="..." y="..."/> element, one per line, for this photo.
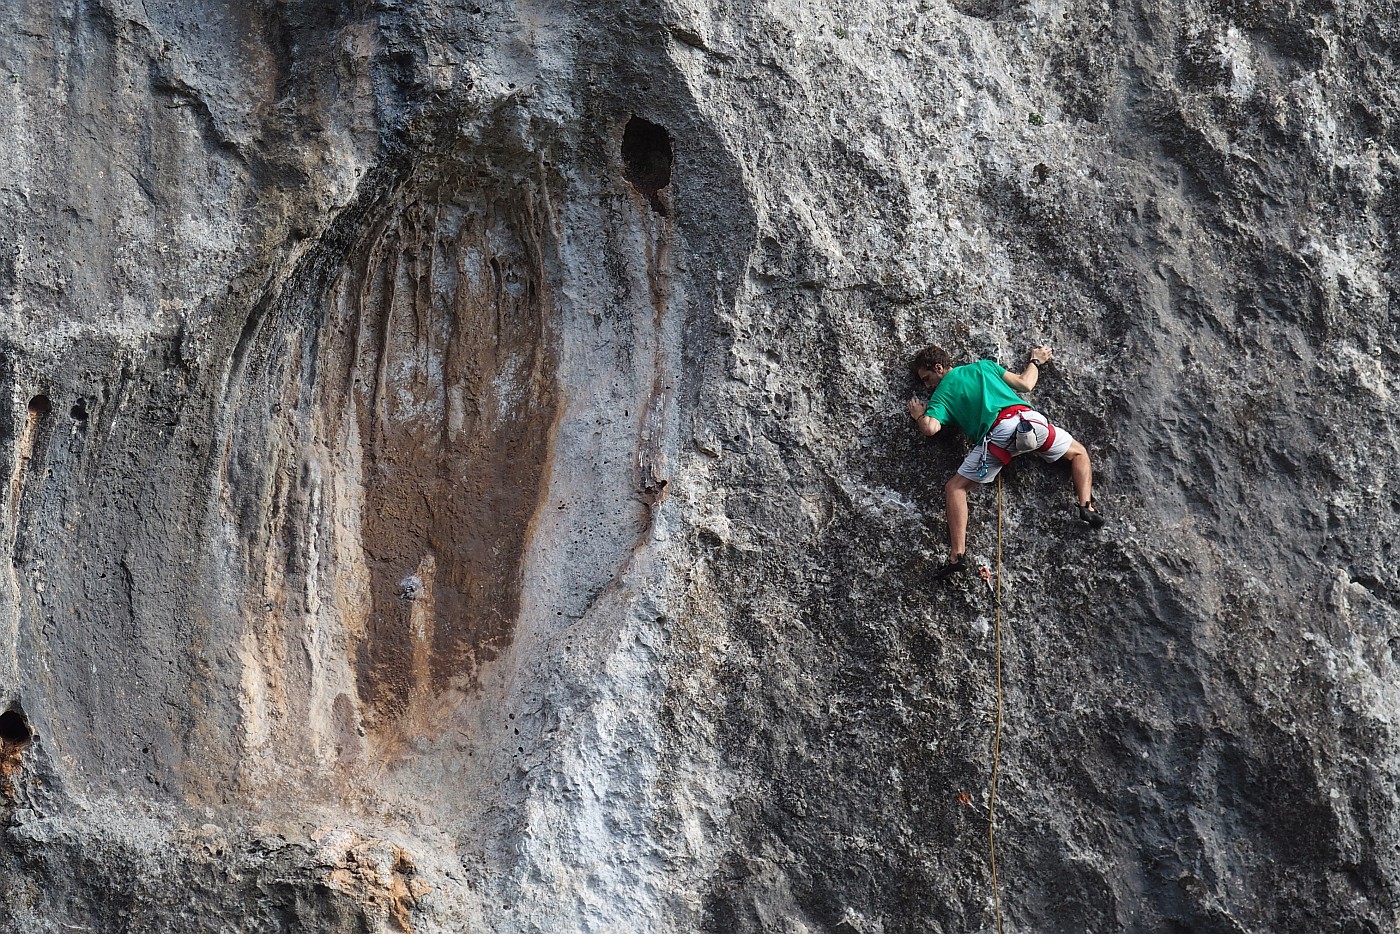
<point x="1025" y="380"/>
<point x="927" y="425"/>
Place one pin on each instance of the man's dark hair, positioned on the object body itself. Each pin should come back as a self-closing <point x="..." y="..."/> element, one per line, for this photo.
<point x="928" y="358"/>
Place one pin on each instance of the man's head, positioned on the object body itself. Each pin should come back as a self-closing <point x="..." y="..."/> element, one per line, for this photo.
<point x="929" y="365"/>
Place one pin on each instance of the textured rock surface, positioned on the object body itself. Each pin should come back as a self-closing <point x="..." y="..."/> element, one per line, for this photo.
<point x="458" y="477"/>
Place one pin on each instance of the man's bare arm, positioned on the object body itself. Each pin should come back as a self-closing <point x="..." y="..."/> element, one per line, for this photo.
<point x="927" y="424"/>
<point x="1025" y="380"/>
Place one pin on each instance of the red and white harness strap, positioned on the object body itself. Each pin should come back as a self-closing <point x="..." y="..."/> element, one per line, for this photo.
<point x="1001" y="453"/>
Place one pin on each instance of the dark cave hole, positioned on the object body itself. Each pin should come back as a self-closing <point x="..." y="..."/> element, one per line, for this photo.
<point x="39" y="406"/>
<point x="14" y="729"/>
<point x="79" y="410"/>
<point x="646" y="159"/>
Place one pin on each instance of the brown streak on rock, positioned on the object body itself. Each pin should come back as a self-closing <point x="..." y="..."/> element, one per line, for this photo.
<point x="652" y="470"/>
<point x="451" y="375"/>
<point x="382" y="876"/>
<point x="38" y="410"/>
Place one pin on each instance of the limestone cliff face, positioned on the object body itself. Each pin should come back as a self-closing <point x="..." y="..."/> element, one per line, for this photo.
<point x="458" y="477"/>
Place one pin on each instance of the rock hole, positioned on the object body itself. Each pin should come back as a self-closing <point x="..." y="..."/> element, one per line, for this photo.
<point x="646" y="160"/>
<point x="79" y="410"/>
<point x="39" y="406"/>
<point x="14" y="729"/>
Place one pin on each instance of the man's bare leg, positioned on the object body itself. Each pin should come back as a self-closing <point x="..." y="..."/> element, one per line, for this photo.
<point x="955" y="491"/>
<point x="1081" y="473"/>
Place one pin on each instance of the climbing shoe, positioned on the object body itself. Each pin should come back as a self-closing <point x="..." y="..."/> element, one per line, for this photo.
<point x="1089" y="514"/>
<point x="954" y="566"/>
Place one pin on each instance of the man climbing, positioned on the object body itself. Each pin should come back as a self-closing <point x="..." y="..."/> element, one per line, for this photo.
<point x="980" y="398"/>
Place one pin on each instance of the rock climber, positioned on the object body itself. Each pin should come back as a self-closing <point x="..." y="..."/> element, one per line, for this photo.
<point x="980" y="398"/>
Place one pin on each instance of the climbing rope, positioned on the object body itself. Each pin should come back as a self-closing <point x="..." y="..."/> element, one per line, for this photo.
<point x="996" y="734"/>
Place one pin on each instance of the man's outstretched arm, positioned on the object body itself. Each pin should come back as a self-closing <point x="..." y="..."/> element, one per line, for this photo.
<point x="1025" y="380"/>
<point x="927" y="424"/>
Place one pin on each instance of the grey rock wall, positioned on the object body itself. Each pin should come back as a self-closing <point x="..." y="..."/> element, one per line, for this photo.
<point x="458" y="477"/>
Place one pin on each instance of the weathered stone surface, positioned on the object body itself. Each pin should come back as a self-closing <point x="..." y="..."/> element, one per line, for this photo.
<point x="458" y="477"/>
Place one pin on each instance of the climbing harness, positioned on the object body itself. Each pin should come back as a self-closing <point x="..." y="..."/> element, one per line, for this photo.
<point x="988" y="447"/>
<point x="996" y="734"/>
<point x="1030" y="435"/>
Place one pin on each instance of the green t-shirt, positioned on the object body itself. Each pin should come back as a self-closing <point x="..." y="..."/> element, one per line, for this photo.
<point x="971" y="397"/>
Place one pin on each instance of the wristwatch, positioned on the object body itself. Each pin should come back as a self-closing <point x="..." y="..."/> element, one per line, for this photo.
<point x="1036" y="362"/>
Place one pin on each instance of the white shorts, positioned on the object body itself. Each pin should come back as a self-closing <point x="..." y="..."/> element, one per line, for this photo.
<point x="982" y="466"/>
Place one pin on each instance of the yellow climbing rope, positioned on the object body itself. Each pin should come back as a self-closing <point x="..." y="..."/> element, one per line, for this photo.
<point x="996" y="734"/>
